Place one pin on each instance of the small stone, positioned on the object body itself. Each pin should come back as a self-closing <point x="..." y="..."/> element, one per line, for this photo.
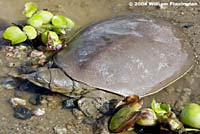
<point x="182" y="13"/>
<point x="9" y="54"/>
<point x="21" y="112"/>
<point x="39" y="112"/>
<point x="10" y="64"/>
<point x="78" y="114"/>
<point x="44" y="101"/>
<point x="36" y="53"/>
<point x="17" y="102"/>
<point x="35" y="100"/>
<point x="9" y="84"/>
<point x="22" y="47"/>
<point x="60" y="130"/>
<point x="187" y="26"/>
<point x="108" y="107"/>
<point x="89" y="106"/>
<point x="69" y="103"/>
<point x="9" y="48"/>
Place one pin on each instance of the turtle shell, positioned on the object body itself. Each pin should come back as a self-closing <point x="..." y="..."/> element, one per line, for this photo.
<point x="126" y="55"/>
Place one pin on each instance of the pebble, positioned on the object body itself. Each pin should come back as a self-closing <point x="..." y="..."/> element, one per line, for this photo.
<point x="187" y="26"/>
<point x="9" y="84"/>
<point x="16" y="52"/>
<point x="35" y="99"/>
<point x="21" y="112"/>
<point x="22" y="47"/>
<point x="78" y="114"/>
<point x="10" y="64"/>
<point x="60" y="130"/>
<point x="90" y="107"/>
<point x="36" y="53"/>
<point x="17" y="102"/>
<point x="69" y="103"/>
<point x="39" y="112"/>
<point x="108" y="107"/>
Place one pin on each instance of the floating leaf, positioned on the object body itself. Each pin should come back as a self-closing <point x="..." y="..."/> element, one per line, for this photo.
<point x="59" y="21"/>
<point x="59" y="30"/>
<point x="29" y="9"/>
<point x="127" y="115"/>
<point x="35" y="21"/>
<point x="51" y="34"/>
<point x="70" y="23"/>
<point x="46" y="16"/>
<point x="30" y="32"/>
<point x="161" y="109"/>
<point x="190" y="115"/>
<point x="147" y="117"/>
<point x="14" y="34"/>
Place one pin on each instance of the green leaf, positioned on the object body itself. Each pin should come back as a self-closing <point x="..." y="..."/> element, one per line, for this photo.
<point x="59" y="21"/>
<point x="14" y="34"/>
<point x="161" y="109"/>
<point x="46" y="16"/>
<point x="59" y="30"/>
<point x="30" y="32"/>
<point x="51" y="34"/>
<point x="35" y="21"/>
<point x="62" y="22"/>
<point x="190" y="115"/>
<point x="70" y="23"/>
<point x="29" y="9"/>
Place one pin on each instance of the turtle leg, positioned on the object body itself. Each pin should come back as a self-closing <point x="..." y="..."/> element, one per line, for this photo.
<point x="97" y="103"/>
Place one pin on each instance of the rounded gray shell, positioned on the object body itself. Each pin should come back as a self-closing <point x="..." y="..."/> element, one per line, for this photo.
<point x="127" y="55"/>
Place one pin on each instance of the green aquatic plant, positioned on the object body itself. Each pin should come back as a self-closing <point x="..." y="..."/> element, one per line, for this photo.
<point x="161" y="109"/>
<point x="35" y="21"/>
<point x="40" y="23"/>
<point x="190" y="115"/>
<point x="50" y="34"/>
<point x="51" y="40"/>
<point x="29" y="9"/>
<point x="30" y="32"/>
<point x="125" y="118"/>
<point x="14" y="34"/>
<point x="46" y="16"/>
<point x="62" y="22"/>
<point x="147" y="117"/>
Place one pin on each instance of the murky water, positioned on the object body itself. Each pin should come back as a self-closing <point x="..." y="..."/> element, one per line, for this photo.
<point x="81" y="11"/>
<point x="84" y="12"/>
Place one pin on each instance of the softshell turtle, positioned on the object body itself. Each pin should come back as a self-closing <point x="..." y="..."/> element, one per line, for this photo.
<point x="125" y="55"/>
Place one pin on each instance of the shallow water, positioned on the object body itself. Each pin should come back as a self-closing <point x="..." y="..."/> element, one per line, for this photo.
<point x="84" y="12"/>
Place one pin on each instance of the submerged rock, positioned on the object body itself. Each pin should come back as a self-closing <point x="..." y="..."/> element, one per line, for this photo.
<point x="69" y="103"/>
<point x="9" y="83"/>
<point x="39" y="112"/>
<point x="35" y="99"/>
<point x="60" y="130"/>
<point x="17" y="102"/>
<point x="21" y="112"/>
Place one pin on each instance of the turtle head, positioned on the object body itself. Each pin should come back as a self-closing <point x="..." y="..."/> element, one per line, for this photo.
<point x="53" y="79"/>
<point x="41" y="77"/>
